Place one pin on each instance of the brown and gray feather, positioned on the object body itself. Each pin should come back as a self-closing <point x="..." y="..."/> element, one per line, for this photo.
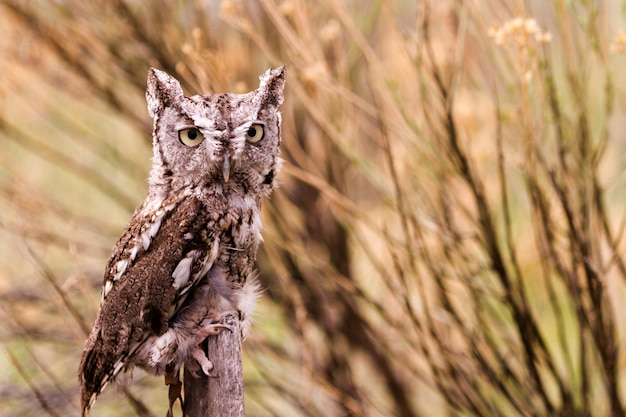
<point x="187" y="255"/>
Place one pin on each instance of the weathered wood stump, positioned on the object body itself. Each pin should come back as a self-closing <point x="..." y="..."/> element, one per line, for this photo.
<point x="221" y="393"/>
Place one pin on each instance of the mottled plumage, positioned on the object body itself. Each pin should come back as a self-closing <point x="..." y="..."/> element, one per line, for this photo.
<point x="187" y="255"/>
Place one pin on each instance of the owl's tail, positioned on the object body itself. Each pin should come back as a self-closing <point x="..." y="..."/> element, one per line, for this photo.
<point x="95" y="371"/>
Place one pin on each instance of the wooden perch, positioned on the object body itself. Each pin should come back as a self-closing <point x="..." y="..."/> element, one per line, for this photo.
<point x="221" y="393"/>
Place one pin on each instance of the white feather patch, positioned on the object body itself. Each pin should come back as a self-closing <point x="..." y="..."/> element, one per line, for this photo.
<point x="120" y="268"/>
<point x="154" y="228"/>
<point x="207" y="263"/>
<point x="238" y="139"/>
<point x="106" y="289"/>
<point x="150" y="230"/>
<point x="161" y="346"/>
<point x="153" y="204"/>
<point x="209" y="259"/>
<point x="145" y="240"/>
<point x="182" y="272"/>
<point x="133" y="252"/>
<point x="247" y="301"/>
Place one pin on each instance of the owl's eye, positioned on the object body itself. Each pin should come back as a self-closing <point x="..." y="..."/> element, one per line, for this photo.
<point x="255" y="133"/>
<point x="190" y="137"/>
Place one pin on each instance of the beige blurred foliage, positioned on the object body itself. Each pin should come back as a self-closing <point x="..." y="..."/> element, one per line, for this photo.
<point x="448" y="237"/>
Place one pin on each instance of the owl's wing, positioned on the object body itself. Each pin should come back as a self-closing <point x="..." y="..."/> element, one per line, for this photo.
<point x="160" y="257"/>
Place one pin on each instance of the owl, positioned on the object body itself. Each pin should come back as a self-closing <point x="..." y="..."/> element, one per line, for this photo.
<point x="186" y="258"/>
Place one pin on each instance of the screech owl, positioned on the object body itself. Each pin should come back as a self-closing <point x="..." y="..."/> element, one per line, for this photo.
<point x="187" y="255"/>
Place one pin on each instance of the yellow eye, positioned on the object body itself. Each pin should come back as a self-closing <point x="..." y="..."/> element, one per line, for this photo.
<point x="255" y="133"/>
<point x="190" y="137"/>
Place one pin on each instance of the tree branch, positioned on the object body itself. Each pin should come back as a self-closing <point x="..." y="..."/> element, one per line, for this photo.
<point x="221" y="393"/>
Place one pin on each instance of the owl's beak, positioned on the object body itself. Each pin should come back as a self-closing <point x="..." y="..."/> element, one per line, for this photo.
<point x="226" y="168"/>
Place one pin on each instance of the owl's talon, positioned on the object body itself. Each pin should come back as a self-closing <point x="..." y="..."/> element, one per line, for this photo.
<point x="205" y="364"/>
<point x="211" y="329"/>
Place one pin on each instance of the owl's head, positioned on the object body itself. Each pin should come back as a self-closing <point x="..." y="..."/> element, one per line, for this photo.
<point x="230" y="141"/>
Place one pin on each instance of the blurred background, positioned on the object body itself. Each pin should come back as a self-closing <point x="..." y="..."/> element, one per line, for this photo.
<point x="448" y="238"/>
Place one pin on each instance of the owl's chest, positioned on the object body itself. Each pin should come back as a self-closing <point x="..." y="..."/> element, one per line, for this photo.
<point x="238" y="230"/>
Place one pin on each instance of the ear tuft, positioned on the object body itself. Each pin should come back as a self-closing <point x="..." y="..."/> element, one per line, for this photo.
<point x="163" y="90"/>
<point x="272" y="85"/>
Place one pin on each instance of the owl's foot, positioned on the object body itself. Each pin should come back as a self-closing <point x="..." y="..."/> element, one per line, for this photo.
<point x="208" y="329"/>
<point x="205" y="364"/>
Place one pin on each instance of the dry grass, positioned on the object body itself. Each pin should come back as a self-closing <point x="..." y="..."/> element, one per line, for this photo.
<point x="449" y="234"/>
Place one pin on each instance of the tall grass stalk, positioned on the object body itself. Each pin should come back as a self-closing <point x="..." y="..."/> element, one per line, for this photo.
<point x="448" y="237"/>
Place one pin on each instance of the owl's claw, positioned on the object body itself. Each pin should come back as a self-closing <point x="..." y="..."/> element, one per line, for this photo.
<point x="210" y="329"/>
<point x="205" y="364"/>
